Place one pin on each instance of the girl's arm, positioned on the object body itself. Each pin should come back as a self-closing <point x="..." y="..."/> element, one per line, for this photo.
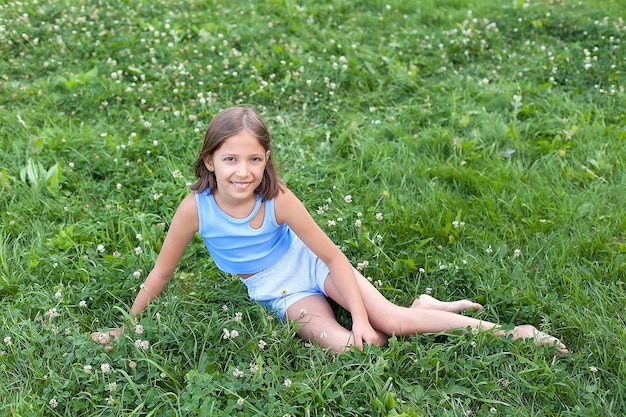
<point x="182" y="229"/>
<point x="289" y="209"/>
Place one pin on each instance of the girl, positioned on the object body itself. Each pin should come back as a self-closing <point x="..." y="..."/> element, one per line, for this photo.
<point x="255" y="227"/>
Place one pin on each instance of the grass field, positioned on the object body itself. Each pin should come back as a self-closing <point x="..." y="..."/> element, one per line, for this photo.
<point x="481" y="144"/>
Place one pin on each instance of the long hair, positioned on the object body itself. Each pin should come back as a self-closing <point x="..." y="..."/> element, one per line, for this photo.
<point x="225" y="124"/>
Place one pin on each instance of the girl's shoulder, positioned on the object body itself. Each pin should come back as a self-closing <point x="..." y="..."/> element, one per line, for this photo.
<point x="188" y="207"/>
<point x="284" y="196"/>
<point x="285" y="203"/>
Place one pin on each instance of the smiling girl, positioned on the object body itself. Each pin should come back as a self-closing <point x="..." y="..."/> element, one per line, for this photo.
<point x="256" y="228"/>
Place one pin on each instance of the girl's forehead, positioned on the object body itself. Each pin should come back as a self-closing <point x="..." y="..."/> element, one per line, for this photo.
<point x="242" y="140"/>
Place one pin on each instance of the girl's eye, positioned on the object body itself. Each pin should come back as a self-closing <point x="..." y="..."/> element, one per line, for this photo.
<point x="229" y="159"/>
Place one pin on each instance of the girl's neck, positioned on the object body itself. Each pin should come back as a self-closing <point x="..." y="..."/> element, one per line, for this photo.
<point x="239" y="209"/>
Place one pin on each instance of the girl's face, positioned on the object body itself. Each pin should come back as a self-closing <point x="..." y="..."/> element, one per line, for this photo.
<point x="238" y="164"/>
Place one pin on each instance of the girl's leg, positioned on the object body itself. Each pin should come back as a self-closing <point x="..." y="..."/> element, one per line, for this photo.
<point x="427" y="315"/>
<point x="319" y="325"/>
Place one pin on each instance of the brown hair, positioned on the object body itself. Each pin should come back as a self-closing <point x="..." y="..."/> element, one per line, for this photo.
<point x="225" y="124"/>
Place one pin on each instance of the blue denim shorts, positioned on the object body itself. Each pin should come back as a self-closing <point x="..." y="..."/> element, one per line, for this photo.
<point x="299" y="273"/>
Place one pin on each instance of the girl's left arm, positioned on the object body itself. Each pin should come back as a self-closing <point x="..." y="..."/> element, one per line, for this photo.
<point x="289" y="209"/>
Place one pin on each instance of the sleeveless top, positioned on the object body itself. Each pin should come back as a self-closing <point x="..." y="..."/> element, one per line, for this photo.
<point x="235" y="246"/>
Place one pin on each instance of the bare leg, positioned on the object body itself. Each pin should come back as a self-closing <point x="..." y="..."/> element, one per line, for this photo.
<point x="427" y="315"/>
<point x="319" y="325"/>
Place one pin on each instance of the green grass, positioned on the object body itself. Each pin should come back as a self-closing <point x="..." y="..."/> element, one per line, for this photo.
<point x="489" y="136"/>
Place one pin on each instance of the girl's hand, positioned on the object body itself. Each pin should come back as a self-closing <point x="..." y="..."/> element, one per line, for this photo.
<point x="104" y="337"/>
<point x="365" y="334"/>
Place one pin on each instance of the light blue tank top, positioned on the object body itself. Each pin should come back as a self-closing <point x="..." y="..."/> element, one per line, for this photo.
<point x="235" y="246"/>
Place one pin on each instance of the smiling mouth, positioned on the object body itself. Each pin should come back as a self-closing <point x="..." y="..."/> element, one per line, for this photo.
<point x="241" y="185"/>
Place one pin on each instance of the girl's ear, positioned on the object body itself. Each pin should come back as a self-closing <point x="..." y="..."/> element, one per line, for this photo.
<point x="267" y="155"/>
<point x="208" y="163"/>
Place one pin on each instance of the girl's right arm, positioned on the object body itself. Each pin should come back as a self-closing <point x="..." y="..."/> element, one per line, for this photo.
<point x="182" y="229"/>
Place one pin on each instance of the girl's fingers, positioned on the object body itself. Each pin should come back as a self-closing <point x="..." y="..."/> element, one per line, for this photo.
<point x="100" y="337"/>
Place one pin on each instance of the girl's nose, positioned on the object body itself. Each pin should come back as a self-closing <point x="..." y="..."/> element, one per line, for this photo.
<point x="242" y="169"/>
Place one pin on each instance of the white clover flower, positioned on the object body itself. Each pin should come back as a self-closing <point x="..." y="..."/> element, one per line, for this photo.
<point x="379" y="216"/>
<point x="132" y="364"/>
<point x="112" y="386"/>
<point x="262" y="344"/>
<point x="7" y="341"/>
<point x="139" y="237"/>
<point x="53" y="403"/>
<point x="237" y="373"/>
<point x="489" y="249"/>
<point x="224" y="307"/>
<point x="287" y="382"/>
<point x="116" y="254"/>
<point x="429" y="290"/>
<point x="52" y="313"/>
<point x="58" y="294"/>
<point x="254" y="367"/>
<point x="357" y="223"/>
<point x="139" y="329"/>
<point x="82" y="304"/>
<point x="225" y="334"/>
<point x="238" y="316"/>
<point x="142" y="344"/>
<point x="138" y="250"/>
<point x="137" y="274"/>
<point x="348" y="198"/>
<point x="234" y="334"/>
<point x="517" y="253"/>
<point x="87" y="369"/>
<point x="331" y="223"/>
<point x="105" y="367"/>
<point x="240" y="401"/>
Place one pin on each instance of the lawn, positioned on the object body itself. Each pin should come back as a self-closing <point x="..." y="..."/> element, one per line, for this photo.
<point x="467" y="149"/>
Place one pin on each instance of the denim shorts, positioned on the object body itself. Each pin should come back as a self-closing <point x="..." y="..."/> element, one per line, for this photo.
<point x="297" y="274"/>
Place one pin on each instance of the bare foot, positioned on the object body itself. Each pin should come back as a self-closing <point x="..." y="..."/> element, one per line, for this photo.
<point x="428" y="302"/>
<point x="527" y="331"/>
